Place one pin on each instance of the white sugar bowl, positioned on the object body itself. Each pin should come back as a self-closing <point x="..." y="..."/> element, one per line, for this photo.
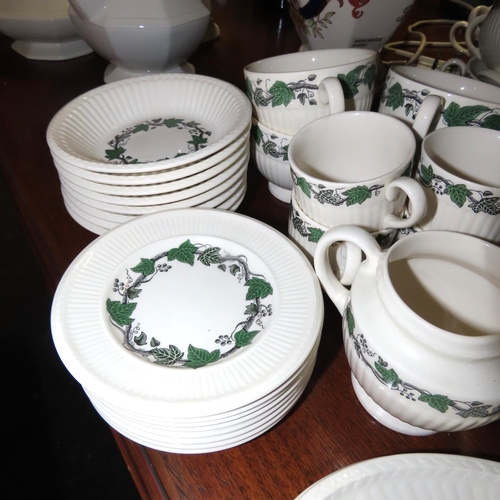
<point x="421" y="328"/>
<point x="137" y="38"/>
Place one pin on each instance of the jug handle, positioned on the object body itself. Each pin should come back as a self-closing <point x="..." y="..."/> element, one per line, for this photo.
<point x="416" y="200"/>
<point x="353" y="234"/>
<point x="426" y="114"/>
<point x="330" y="92"/>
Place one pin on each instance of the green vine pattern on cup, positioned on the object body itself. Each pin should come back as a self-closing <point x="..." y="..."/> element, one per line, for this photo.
<point x="313" y="234"/>
<point x="305" y="91"/>
<point x="395" y="96"/>
<point x="460" y="194"/>
<point x="389" y="377"/>
<point x="118" y="153"/>
<point x="120" y="311"/>
<point x="336" y="197"/>
<point x="268" y="144"/>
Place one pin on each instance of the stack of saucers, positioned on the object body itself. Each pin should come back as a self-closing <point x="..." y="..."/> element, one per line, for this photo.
<point x="191" y="330"/>
<point x="151" y="143"/>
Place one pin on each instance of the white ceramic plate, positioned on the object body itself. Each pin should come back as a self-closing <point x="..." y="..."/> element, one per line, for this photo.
<point x="412" y="476"/>
<point x="149" y="123"/>
<point x="148" y="178"/>
<point x="231" y="296"/>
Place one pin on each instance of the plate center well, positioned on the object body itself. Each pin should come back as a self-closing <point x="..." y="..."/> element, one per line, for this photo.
<point x="155" y="140"/>
<point x="190" y="301"/>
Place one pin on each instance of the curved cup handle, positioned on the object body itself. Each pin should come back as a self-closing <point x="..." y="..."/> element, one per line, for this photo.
<point x="453" y="39"/>
<point x="431" y="105"/>
<point x="331" y="93"/>
<point x="338" y="294"/>
<point x="416" y="199"/>
<point x="469" y="35"/>
<point x="455" y="62"/>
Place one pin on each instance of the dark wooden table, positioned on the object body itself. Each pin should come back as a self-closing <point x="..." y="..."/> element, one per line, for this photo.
<point x="327" y="429"/>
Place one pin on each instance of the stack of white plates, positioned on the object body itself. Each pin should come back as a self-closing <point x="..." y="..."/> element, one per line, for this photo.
<point x="190" y="330"/>
<point x="151" y="143"/>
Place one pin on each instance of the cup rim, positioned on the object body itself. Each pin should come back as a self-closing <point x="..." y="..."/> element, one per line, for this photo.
<point x="295" y="58"/>
<point x="320" y="122"/>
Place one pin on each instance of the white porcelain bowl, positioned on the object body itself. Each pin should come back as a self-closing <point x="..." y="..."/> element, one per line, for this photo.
<point x="141" y="38"/>
<point x="269" y="150"/>
<point x="150" y="123"/>
<point x="41" y="30"/>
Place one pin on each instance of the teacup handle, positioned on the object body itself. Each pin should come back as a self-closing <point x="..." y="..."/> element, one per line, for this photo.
<point x="331" y="93"/>
<point x="416" y="199"/>
<point x="426" y="114"/>
<point x="338" y="293"/>
<point x="455" y="62"/>
<point x="469" y="32"/>
<point x="453" y="40"/>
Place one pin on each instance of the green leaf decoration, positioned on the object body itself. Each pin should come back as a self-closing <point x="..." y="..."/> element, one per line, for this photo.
<point x="370" y="76"/>
<point x="396" y="97"/>
<point x="168" y="356"/>
<point x="197" y="140"/>
<point x="426" y="174"/>
<point x="285" y="153"/>
<point x="185" y="253"/>
<point x="248" y="88"/>
<point x="141" y="339"/>
<point x="460" y="116"/>
<point x="488" y="205"/>
<point x="351" y="81"/>
<point x="244" y="338"/>
<point x="358" y="194"/>
<point x="436" y="401"/>
<point x="458" y="194"/>
<point x="172" y="122"/>
<point x="120" y="312"/>
<point x="282" y="94"/>
<point x="140" y="128"/>
<point x="350" y="321"/>
<point x="234" y="269"/>
<point x="390" y="377"/>
<point x="251" y="309"/>
<point x="114" y="154"/>
<point x="133" y="293"/>
<point x="211" y="256"/>
<point x="315" y="233"/>
<point x="304" y="185"/>
<point x="154" y="342"/>
<point x="257" y="134"/>
<point x="198" y="357"/>
<point x="222" y="267"/>
<point x="491" y="121"/>
<point x="146" y="267"/>
<point x="258" y="288"/>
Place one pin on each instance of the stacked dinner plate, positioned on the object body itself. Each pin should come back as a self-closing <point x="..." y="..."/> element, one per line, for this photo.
<point x="151" y="143"/>
<point x="190" y="330"/>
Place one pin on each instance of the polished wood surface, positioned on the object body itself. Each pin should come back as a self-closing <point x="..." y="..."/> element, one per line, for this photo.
<point x="327" y="429"/>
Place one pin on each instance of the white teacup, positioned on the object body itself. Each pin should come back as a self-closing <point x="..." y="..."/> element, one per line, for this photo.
<point x="467" y="102"/>
<point x="291" y="90"/>
<point x="460" y="171"/>
<point x="353" y="168"/>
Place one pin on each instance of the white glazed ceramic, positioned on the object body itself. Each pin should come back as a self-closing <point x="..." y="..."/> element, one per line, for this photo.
<point x="149" y="124"/>
<point x="182" y="172"/>
<point x="482" y="35"/>
<point x="460" y="171"/>
<point x="142" y="38"/>
<point x="269" y="151"/>
<point x="344" y="257"/>
<point x="291" y="90"/>
<point x="467" y="102"/>
<point x="41" y="30"/>
<point x="433" y="476"/>
<point x="353" y="168"/>
<point x="362" y="24"/>
<point x="421" y="328"/>
<point x="155" y="253"/>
